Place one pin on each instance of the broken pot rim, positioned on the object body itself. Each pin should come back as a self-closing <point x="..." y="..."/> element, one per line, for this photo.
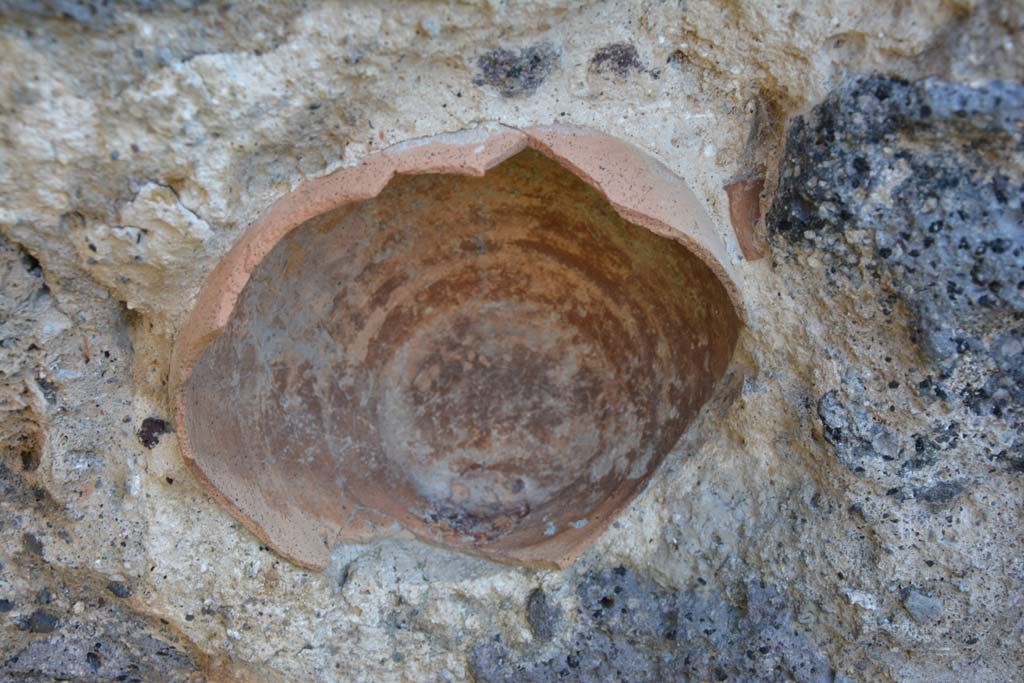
<point x="649" y="195"/>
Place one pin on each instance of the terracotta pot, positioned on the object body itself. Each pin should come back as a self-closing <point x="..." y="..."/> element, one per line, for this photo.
<point x="489" y="339"/>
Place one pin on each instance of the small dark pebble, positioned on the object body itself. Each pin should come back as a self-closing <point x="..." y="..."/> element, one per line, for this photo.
<point x="32" y="544"/>
<point x="618" y="58"/>
<point x="542" y="616"/>
<point x="943" y="492"/>
<point x="151" y="430"/>
<point x="517" y="73"/>
<point x="119" y="589"/>
<point x="41" y="621"/>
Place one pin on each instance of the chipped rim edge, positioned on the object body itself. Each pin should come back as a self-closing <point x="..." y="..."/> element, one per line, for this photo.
<point x="470" y="152"/>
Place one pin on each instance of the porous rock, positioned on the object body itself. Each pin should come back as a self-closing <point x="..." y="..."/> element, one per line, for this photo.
<point x="863" y="465"/>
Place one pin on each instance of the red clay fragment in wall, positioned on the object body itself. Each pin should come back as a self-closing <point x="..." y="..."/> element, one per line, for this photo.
<point x="744" y="211"/>
<point x="489" y="339"/>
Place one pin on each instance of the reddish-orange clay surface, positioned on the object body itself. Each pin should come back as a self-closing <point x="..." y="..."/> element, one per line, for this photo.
<point x="488" y="339"/>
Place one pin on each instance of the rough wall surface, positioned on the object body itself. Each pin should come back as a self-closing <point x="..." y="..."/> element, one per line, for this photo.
<point x="854" y="514"/>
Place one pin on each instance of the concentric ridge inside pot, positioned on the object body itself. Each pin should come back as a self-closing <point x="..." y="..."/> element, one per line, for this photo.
<point x="495" y="363"/>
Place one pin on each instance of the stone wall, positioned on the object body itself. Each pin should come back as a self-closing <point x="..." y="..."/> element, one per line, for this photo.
<point x="854" y="514"/>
